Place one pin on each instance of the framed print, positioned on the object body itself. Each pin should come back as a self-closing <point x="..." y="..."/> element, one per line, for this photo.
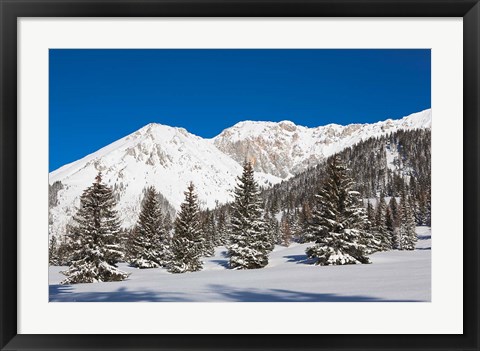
<point x="269" y="175"/>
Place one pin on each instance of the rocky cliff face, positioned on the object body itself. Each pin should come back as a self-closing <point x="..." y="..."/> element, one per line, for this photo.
<point x="284" y="149"/>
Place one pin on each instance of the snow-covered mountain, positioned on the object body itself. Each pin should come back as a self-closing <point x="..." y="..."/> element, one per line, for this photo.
<point x="166" y="157"/>
<point x="284" y="149"/>
<point x="169" y="158"/>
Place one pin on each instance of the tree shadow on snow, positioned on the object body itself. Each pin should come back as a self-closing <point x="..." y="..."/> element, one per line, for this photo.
<point x="282" y="295"/>
<point x="65" y="293"/>
<point x="58" y="289"/>
<point x="223" y="263"/>
<point x="424" y="237"/>
<point x="300" y="259"/>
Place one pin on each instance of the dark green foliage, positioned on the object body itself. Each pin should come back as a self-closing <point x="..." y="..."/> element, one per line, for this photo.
<point x="382" y="232"/>
<point x="53" y="259"/>
<point x="286" y="233"/>
<point x="408" y="236"/>
<point x="150" y="242"/>
<point x="222" y="226"/>
<point x="304" y="219"/>
<point x="187" y="242"/>
<point x="94" y="239"/>
<point x="371" y="170"/>
<point x="209" y="233"/>
<point x="250" y="242"/>
<point x="271" y="227"/>
<point x="393" y="222"/>
<point x="338" y="220"/>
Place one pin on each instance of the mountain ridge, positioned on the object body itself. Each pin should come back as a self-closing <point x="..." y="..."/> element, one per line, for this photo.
<point x="284" y="149"/>
<point x="170" y="157"/>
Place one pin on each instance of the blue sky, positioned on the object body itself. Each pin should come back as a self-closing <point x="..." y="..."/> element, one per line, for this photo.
<point x="99" y="96"/>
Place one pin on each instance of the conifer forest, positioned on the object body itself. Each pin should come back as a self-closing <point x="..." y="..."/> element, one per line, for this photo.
<point x="351" y="226"/>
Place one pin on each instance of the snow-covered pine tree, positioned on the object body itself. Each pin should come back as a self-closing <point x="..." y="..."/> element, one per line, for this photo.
<point x="222" y="228"/>
<point x="293" y="220"/>
<point x="208" y="233"/>
<point x="285" y="231"/>
<point x="53" y="251"/>
<point x="395" y="222"/>
<point x="421" y="210"/>
<point x="123" y="238"/>
<point x="383" y="234"/>
<point x="338" y="220"/>
<point x="370" y="213"/>
<point x="389" y="227"/>
<point x="151" y="242"/>
<point x="305" y="217"/>
<point x="428" y="211"/>
<point x="408" y="235"/>
<point x="249" y="241"/>
<point x="97" y="248"/>
<point x="271" y="227"/>
<point x="187" y="242"/>
<point x="64" y="250"/>
<point x="372" y="237"/>
<point x="168" y="224"/>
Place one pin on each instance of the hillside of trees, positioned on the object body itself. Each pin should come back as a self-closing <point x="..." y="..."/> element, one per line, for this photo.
<point x="367" y="198"/>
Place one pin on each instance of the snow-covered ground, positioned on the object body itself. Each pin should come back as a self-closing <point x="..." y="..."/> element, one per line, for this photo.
<point x="392" y="276"/>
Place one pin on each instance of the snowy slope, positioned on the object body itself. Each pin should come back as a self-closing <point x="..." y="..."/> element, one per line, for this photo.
<point x="284" y="149"/>
<point x="392" y="276"/>
<point x="166" y="157"/>
<point x="169" y="158"/>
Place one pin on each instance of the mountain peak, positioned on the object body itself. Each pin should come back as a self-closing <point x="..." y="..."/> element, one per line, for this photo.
<point x="170" y="157"/>
<point x="284" y="149"/>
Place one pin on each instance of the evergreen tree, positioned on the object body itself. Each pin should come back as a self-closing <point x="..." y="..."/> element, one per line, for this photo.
<point x="428" y="207"/>
<point x="128" y="239"/>
<point x="338" y="220"/>
<point x="370" y="214"/>
<point x="64" y="249"/>
<point x="250" y="243"/>
<point x="394" y="220"/>
<point x="187" y="243"/>
<point x="53" y="251"/>
<point x="371" y="237"/>
<point x="97" y="248"/>
<point x="285" y="231"/>
<point x="208" y="232"/>
<point x="389" y="227"/>
<point x="383" y="234"/>
<point x="408" y="236"/>
<point x="167" y="224"/>
<point x="222" y="228"/>
<point x="305" y="217"/>
<point x="151" y="242"/>
<point x="271" y="227"/>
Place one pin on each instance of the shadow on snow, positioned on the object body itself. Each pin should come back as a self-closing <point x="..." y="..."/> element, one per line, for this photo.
<point x="300" y="259"/>
<point x="64" y="293"/>
<point x="424" y="237"/>
<point x="282" y="295"/>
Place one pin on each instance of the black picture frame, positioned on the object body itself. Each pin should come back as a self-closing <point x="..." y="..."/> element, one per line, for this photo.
<point x="10" y="10"/>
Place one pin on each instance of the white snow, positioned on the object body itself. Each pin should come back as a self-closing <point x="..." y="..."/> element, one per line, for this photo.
<point x="169" y="158"/>
<point x="166" y="157"/>
<point x="392" y="276"/>
<point x="284" y="149"/>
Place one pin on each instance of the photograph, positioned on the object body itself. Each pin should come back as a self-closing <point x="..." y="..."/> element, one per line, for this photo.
<point x="239" y="175"/>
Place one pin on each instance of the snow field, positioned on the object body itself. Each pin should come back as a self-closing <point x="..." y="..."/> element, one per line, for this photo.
<point x="392" y="276"/>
